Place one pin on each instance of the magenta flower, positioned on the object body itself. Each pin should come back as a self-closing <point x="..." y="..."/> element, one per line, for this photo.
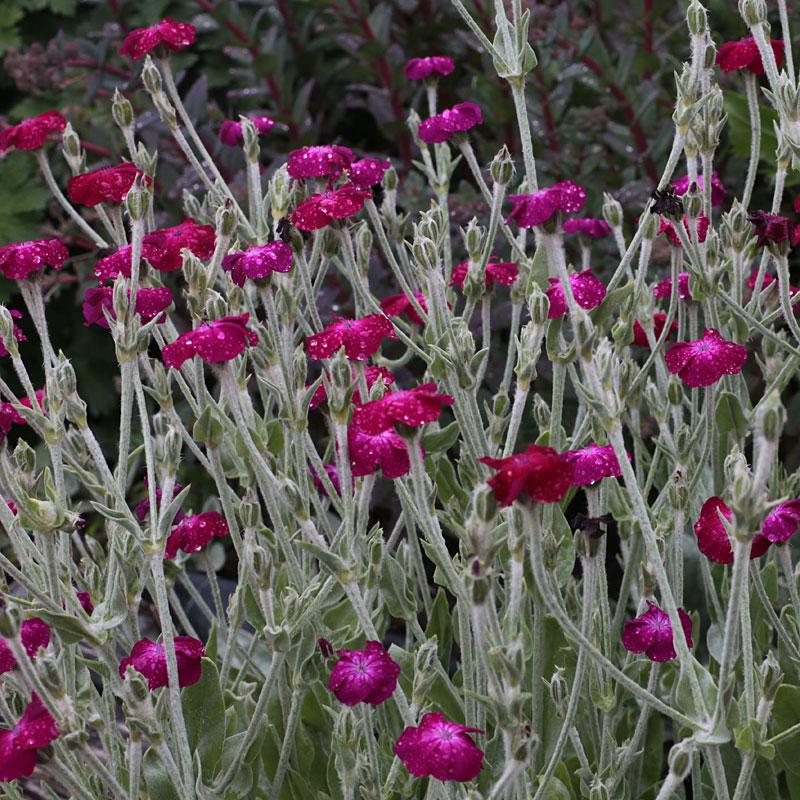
<point x="150" y="659"/>
<point x="743" y="54"/>
<point x="31" y="134"/>
<point x="86" y="602"/>
<point x="417" y="69"/>
<point x="105" y="185"/>
<point x="664" y="288"/>
<point x="368" y="172"/>
<point x="360" y="338"/>
<point x="588" y="290"/>
<point x="35" y="729"/>
<point x="221" y="340"/>
<point x="651" y="633"/>
<point x="667" y="228"/>
<point x="18" y="333"/>
<point x="536" y="209"/>
<point x="503" y="272"/>
<point x="659" y="320"/>
<point x="712" y="537"/>
<point x="333" y="477"/>
<point x="150" y="303"/>
<point x="398" y="304"/>
<point x="230" y="132"/>
<point x="371" y="374"/>
<point x="440" y="749"/>
<point x="542" y="473"/>
<point x="705" y="361"/>
<point x="19" y="260"/>
<point x="458" y="119"/>
<point x="772" y="228"/>
<point x="322" y="209"/>
<point x="143" y="506"/>
<point x="593" y="463"/>
<point x="34" y="634"/>
<point x="319" y="161"/>
<point x="175" y="36"/>
<point x="364" y="676"/>
<point x="386" y="450"/>
<point x="193" y="533"/>
<point x="413" y="408"/>
<point x="781" y="523"/>
<point x="681" y="186"/>
<point x="258" y="263"/>
<point x="587" y="226"/>
<point x="10" y="416"/>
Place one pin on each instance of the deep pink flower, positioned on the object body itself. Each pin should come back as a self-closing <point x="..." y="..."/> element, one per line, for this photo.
<point x="371" y="374"/>
<point x="386" y="450"/>
<point x="705" y="361"/>
<point x="368" y="172"/>
<point x="767" y="279"/>
<point x="664" y="288"/>
<point x="398" y="304"/>
<point x="504" y="272"/>
<point x="86" y="601"/>
<point x="35" y="729"/>
<point x="34" y="634"/>
<point x="193" y="533"/>
<point x="19" y="260"/>
<point x="31" y="134"/>
<point x="536" y="209"/>
<point x="743" y="54"/>
<point x="319" y="161"/>
<point x="459" y="118"/>
<point x="333" y="477"/>
<point x="221" y="340"/>
<point x="542" y="473"/>
<point x="712" y="538"/>
<point x="150" y="658"/>
<point x="588" y="290"/>
<point x="175" y="36"/>
<point x="587" y="226"/>
<point x="322" y="209"/>
<point x="143" y="506"/>
<point x="360" y="338"/>
<point x="364" y="676"/>
<point x="781" y="523"/>
<point x="440" y="749"/>
<point x="149" y="304"/>
<point x="667" y="228"/>
<point x="258" y="262"/>
<point x="651" y="633"/>
<point x="659" y="320"/>
<point x="681" y="186"/>
<point x="18" y="334"/>
<point x="417" y="69"/>
<point x="593" y="463"/>
<point x="10" y="416"/>
<point x="772" y="228"/>
<point x="230" y="132"/>
<point x="107" y="184"/>
<point x="413" y="407"/>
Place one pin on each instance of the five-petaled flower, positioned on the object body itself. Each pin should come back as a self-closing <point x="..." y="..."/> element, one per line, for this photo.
<point x="319" y="161"/>
<point x="458" y="119"/>
<point x="259" y="262"/>
<point x="781" y="523"/>
<point x="398" y="304"/>
<point x="19" y="335"/>
<point x="593" y="463"/>
<point x="35" y="729"/>
<point x="221" y="340"/>
<point x="440" y="749"/>
<point x="386" y="450"/>
<point x="175" y="36"/>
<point x="664" y="288"/>
<point x="104" y="185"/>
<point x="543" y="474"/>
<point x="230" y="132"/>
<point x="322" y="209"/>
<point x="667" y="228"/>
<point x="417" y="69"/>
<point x="530" y="210"/>
<point x="651" y="633"/>
<point x="503" y="272"/>
<point x="371" y="375"/>
<point x="150" y="659"/>
<point x="31" y="134"/>
<point x="659" y="321"/>
<point x="410" y="407"/>
<point x="368" y="172"/>
<point x="360" y="338"/>
<point x="588" y="291"/>
<point x="712" y="537"/>
<point x="587" y="226"/>
<point x="19" y="260"/>
<point x="773" y="228"/>
<point x="150" y="303"/>
<point x="34" y="634"/>
<point x="744" y="54"/>
<point x="706" y="360"/>
<point x="681" y="186"/>
<point x="364" y="676"/>
<point x="193" y="533"/>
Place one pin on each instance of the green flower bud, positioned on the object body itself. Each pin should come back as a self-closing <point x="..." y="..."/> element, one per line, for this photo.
<point x="425" y="253"/>
<point x="473" y="236"/>
<point x="696" y="18"/>
<point x="541" y="412"/>
<point x="651" y="225"/>
<point x="137" y="201"/>
<point x="771" y="417"/>
<point x="390" y="180"/>
<point x="753" y="12"/>
<point x="538" y="306"/>
<point x="151" y="77"/>
<point x="612" y="211"/>
<point x="7" y="332"/>
<point x="771" y="676"/>
<point x="680" y="758"/>
<point x="502" y="167"/>
<point x="225" y="220"/>
<point x="693" y="203"/>
<point x="122" y="110"/>
<point x="25" y="457"/>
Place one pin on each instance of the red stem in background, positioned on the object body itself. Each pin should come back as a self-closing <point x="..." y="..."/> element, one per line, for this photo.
<point x="96" y="149"/>
<point x="547" y="113"/>
<point x="91" y="63"/>
<point x="648" y="26"/>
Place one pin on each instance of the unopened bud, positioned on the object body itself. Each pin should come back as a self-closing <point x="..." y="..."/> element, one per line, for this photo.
<point x="7" y="336"/>
<point x="122" y="110"/>
<point x="390" y="180"/>
<point x="771" y="676"/>
<point x="225" y="220"/>
<point x="753" y="12"/>
<point x="502" y="167"/>
<point x="696" y="18"/>
<point x="693" y="202"/>
<point x="136" y="201"/>
<point x="772" y="417"/>
<point x="612" y="211"/>
<point x="24" y="457"/>
<point x="680" y="758"/>
<point x="425" y="253"/>
<point x="473" y="236"/>
<point x="538" y="305"/>
<point x="151" y="77"/>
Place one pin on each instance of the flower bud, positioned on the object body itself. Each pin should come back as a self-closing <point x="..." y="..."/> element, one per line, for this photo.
<point x="651" y="227"/>
<point x="122" y="110"/>
<point x="753" y="12"/>
<point x="137" y="201"/>
<point x="538" y="305"/>
<point x="612" y="210"/>
<point x="693" y="202"/>
<point x="250" y="144"/>
<point x="7" y="332"/>
<point x="425" y="253"/>
<point x="771" y="417"/>
<point x="151" y="77"/>
<point x="541" y="412"/>
<point x="696" y="18"/>
<point x="680" y="758"/>
<point x="502" y="167"/>
<point x="559" y="692"/>
<point x="225" y="220"/>
<point x="771" y="676"/>
<point x="473" y="236"/>
<point x="390" y="180"/>
<point x="25" y="457"/>
<point x="363" y="240"/>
